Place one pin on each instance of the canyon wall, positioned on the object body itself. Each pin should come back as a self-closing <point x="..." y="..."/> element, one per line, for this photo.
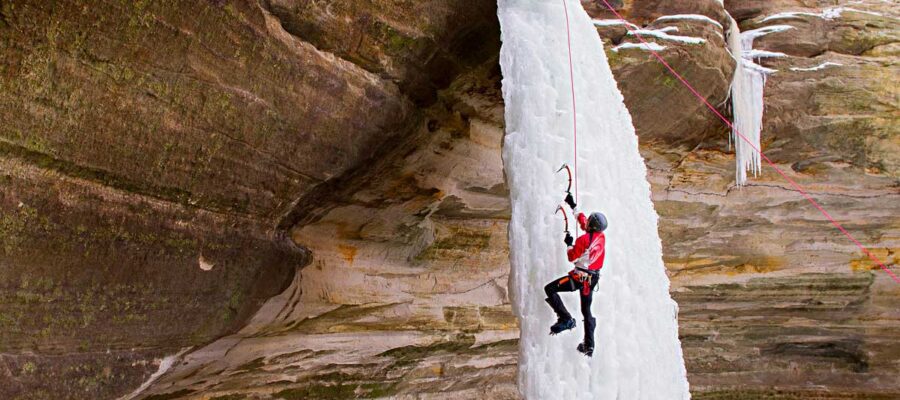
<point x="308" y="198"/>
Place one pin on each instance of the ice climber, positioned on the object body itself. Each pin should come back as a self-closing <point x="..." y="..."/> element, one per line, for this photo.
<point x="587" y="252"/>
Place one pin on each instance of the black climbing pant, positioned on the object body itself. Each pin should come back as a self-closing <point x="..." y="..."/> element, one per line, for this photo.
<point x="567" y="284"/>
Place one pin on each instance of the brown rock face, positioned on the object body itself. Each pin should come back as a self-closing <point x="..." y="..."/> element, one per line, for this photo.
<point x="210" y="106"/>
<point x="774" y="301"/>
<point x="422" y="54"/>
<point x="853" y="33"/>
<point x="647" y="10"/>
<point x="801" y="336"/>
<point x="708" y="66"/>
<point x="98" y="282"/>
<point x="148" y="149"/>
<point x="407" y="293"/>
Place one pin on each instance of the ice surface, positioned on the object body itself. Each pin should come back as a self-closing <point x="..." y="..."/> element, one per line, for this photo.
<point x="696" y="17"/>
<point x="818" y="67"/>
<point x="638" y="353"/>
<point x="751" y="66"/>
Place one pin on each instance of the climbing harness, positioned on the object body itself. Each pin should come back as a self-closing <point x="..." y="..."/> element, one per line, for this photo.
<point x="585" y="279"/>
<point x="794" y="184"/>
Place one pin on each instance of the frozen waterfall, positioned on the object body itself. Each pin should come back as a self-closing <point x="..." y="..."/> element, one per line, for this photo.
<point x="747" y="99"/>
<point x="638" y="354"/>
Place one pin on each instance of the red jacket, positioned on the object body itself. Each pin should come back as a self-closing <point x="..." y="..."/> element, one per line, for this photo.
<point x="589" y="249"/>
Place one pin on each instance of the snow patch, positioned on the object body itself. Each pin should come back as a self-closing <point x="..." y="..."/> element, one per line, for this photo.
<point x="694" y="17"/>
<point x="757" y="54"/>
<point x="613" y="22"/>
<point x="818" y="67"/>
<point x="638" y="354"/>
<point x="828" y="13"/>
<point x="748" y="37"/>
<point x="664" y="35"/>
<point x="649" y="46"/>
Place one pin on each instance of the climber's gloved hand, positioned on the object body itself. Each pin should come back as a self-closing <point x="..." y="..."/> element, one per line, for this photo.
<point x="569" y="240"/>
<point x="570" y="200"/>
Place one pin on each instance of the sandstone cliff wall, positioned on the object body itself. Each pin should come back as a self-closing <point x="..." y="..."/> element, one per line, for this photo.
<point x="169" y="167"/>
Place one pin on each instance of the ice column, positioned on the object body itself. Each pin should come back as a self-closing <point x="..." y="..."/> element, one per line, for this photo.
<point x="747" y="98"/>
<point x="638" y="353"/>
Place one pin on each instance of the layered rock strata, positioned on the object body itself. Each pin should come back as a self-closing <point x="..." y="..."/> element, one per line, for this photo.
<point x="168" y="167"/>
<point x="406" y="295"/>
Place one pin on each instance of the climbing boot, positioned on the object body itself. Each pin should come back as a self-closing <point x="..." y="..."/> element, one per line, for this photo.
<point x="562" y="325"/>
<point x="587" y="350"/>
<point x="589" y="325"/>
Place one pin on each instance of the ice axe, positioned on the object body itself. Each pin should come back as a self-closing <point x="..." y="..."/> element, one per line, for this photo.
<point x="565" y="217"/>
<point x="569" y="199"/>
<point x="569" y="173"/>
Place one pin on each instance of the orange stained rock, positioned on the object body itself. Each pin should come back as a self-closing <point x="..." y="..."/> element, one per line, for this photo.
<point x="348" y="252"/>
<point x="864" y="263"/>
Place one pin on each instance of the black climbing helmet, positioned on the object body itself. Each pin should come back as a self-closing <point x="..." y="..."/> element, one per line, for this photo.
<point x="597" y="222"/>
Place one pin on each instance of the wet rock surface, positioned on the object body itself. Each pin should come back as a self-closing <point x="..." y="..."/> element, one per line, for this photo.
<point x="309" y="196"/>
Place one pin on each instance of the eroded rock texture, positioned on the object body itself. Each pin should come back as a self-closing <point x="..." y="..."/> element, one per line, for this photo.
<point x="817" y="324"/>
<point x="407" y="292"/>
<point x="308" y="198"/>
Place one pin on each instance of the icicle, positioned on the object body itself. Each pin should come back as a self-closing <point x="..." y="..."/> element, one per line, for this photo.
<point x="747" y="89"/>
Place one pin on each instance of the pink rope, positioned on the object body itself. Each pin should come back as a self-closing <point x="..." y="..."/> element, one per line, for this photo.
<point x="574" y="110"/>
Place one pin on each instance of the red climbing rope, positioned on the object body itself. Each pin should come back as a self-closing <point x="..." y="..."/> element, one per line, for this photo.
<point x="727" y="122"/>
<point x="574" y="111"/>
